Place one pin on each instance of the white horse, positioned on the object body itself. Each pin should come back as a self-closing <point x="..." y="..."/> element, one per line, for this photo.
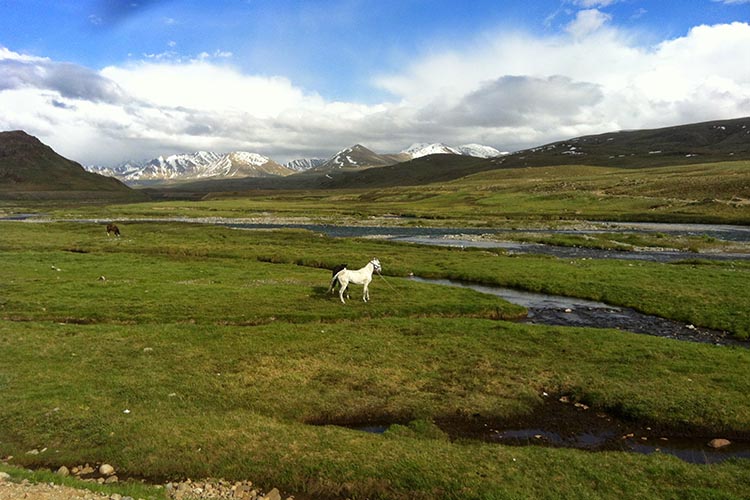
<point x="359" y="277"/>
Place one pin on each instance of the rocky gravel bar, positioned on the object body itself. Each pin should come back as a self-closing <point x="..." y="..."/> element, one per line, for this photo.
<point x="178" y="490"/>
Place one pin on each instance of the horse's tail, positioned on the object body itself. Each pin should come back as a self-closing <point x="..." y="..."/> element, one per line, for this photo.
<point x="333" y="280"/>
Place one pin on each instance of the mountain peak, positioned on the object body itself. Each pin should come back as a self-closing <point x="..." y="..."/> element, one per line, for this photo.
<point x="355" y="157"/>
<point x="420" y="149"/>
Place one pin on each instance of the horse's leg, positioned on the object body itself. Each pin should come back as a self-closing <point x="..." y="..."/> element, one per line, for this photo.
<point x="366" y="293"/>
<point x="341" y="291"/>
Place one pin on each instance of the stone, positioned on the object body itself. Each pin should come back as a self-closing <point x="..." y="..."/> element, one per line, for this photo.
<point x="719" y="443"/>
<point x="242" y="491"/>
<point x="272" y="495"/>
<point x="106" y="470"/>
<point x="111" y="479"/>
<point x="63" y="471"/>
<point x="4" y="476"/>
<point x="115" y="496"/>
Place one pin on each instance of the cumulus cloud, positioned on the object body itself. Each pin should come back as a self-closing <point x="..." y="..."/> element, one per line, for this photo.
<point x="519" y="100"/>
<point x="69" y="80"/>
<point x="508" y="90"/>
<point x="620" y="84"/>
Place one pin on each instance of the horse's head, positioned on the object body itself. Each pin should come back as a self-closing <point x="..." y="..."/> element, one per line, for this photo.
<point x="376" y="265"/>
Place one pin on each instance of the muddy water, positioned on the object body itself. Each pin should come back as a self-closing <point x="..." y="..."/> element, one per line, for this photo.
<point x="571" y="311"/>
<point x="561" y="423"/>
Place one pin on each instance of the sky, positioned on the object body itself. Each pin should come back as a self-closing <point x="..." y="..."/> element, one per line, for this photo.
<point x="103" y="82"/>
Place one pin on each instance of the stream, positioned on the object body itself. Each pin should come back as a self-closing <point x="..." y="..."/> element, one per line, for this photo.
<point x="570" y="311"/>
<point x="463" y="237"/>
<point x="471" y="237"/>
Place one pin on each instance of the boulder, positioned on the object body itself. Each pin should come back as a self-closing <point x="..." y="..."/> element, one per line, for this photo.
<point x="719" y="443"/>
<point x="106" y="470"/>
<point x="272" y="495"/>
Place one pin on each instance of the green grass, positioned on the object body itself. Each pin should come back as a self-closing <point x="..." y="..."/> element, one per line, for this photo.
<point x="223" y="345"/>
<point x="711" y="192"/>
<point x="703" y="293"/>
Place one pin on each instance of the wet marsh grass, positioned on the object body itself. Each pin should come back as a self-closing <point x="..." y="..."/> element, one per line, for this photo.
<point x="222" y="345"/>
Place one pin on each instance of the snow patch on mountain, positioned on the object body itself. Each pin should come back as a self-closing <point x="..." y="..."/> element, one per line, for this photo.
<point x="420" y="149"/>
<point x="480" y="151"/>
<point x="302" y="164"/>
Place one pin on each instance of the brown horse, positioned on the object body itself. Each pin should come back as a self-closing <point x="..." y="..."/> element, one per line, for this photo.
<point x="113" y="229"/>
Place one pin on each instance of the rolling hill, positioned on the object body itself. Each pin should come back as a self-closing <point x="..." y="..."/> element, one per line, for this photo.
<point x="30" y="169"/>
<point x="721" y="140"/>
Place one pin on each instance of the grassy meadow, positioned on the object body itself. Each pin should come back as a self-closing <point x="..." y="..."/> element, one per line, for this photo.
<point x="223" y="346"/>
<point x="710" y="193"/>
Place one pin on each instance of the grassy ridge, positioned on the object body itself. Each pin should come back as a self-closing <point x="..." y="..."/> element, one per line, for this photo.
<point x="222" y="344"/>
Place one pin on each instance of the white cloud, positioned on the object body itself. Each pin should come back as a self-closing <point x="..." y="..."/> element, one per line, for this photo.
<point x="691" y="78"/>
<point x="508" y="90"/>
<point x="732" y="2"/>
<point x="586" y="22"/>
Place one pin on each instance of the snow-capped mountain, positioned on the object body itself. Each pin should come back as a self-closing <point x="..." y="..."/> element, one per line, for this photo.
<point x="192" y="166"/>
<point x="419" y="149"/>
<point x="480" y="151"/>
<point x="302" y="164"/>
<point x="357" y="157"/>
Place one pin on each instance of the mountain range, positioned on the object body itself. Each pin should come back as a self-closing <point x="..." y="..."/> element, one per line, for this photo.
<point x="195" y="166"/>
<point x="32" y="170"/>
<point x="715" y="141"/>
<point x="239" y="164"/>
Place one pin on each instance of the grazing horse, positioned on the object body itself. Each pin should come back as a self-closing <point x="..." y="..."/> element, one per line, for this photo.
<point x="334" y="272"/>
<point x="359" y="277"/>
<point x="113" y="229"/>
